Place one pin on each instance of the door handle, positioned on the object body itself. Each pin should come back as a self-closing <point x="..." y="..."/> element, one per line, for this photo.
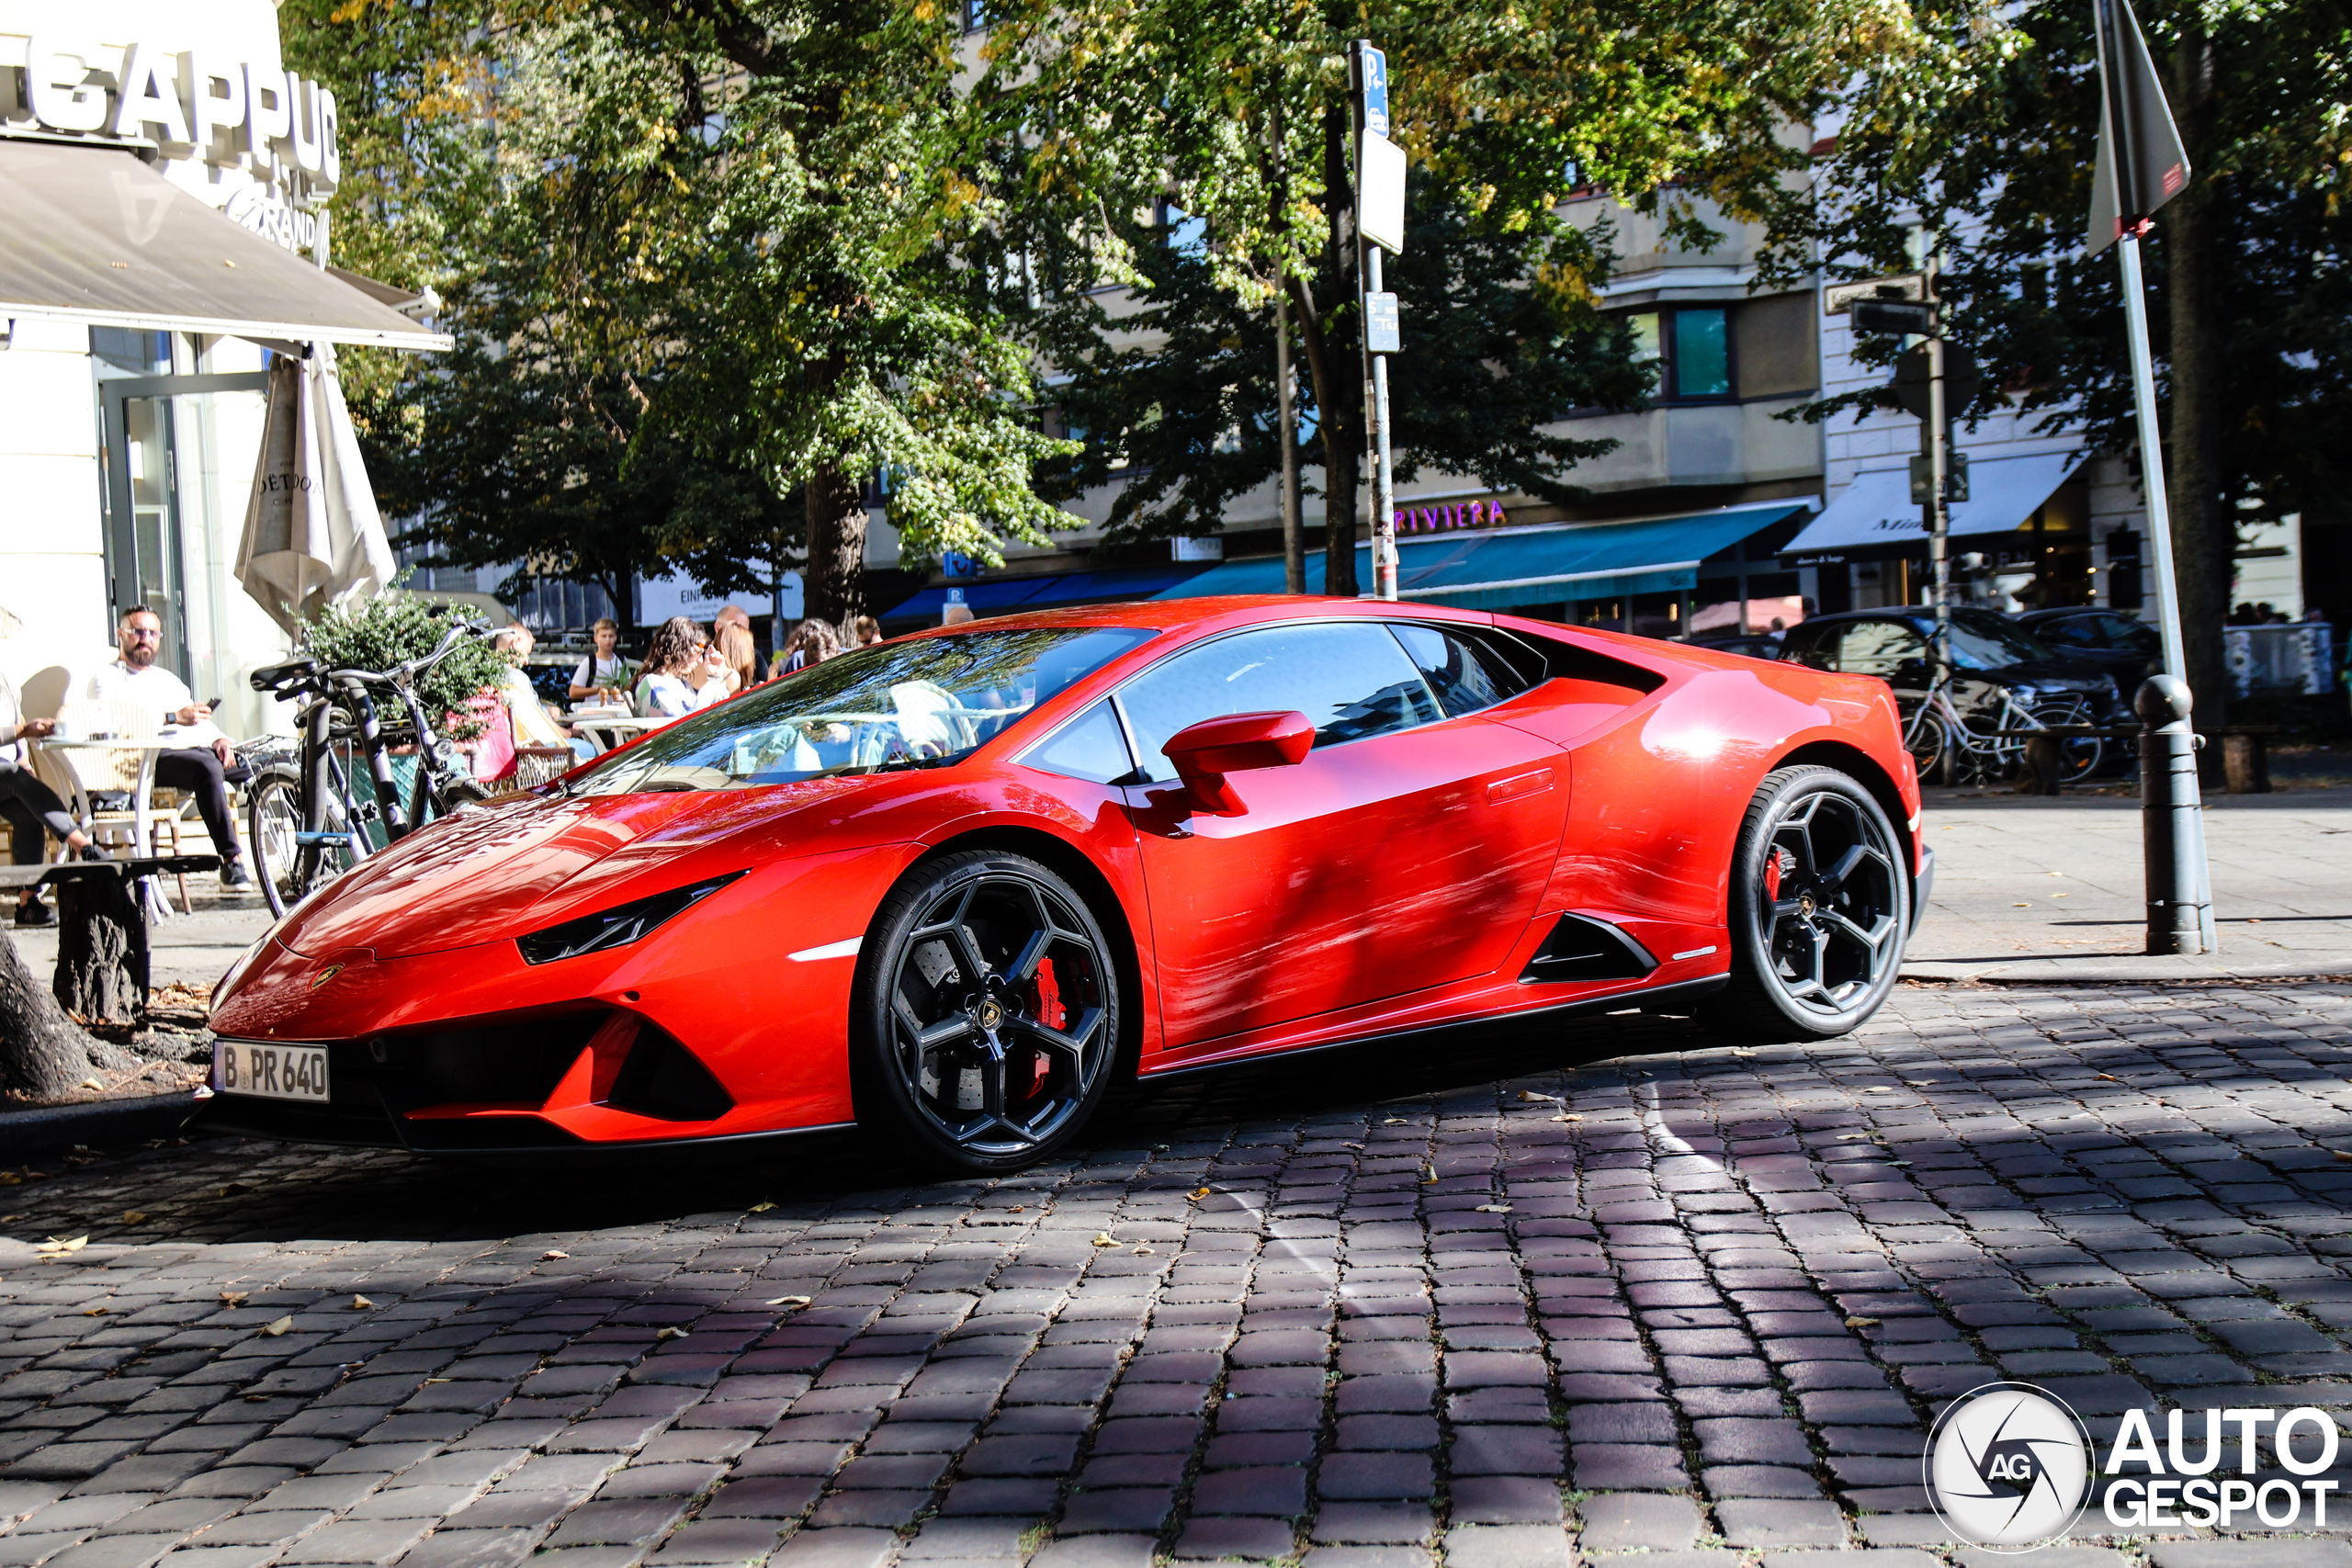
<point x="1519" y="785"/>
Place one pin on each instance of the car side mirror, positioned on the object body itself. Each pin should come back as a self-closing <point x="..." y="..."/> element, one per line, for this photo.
<point x="1204" y="752"/>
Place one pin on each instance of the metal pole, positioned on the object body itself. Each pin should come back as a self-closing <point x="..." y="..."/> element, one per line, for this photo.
<point x="2180" y="886"/>
<point x="1294" y="541"/>
<point x="1383" y="477"/>
<point x="1938" y="518"/>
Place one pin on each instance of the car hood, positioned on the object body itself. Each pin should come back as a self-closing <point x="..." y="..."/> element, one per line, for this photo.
<point x="2066" y="675"/>
<point x="490" y="875"/>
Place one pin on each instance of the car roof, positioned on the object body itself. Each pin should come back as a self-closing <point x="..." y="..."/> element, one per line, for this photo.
<point x="1179" y="614"/>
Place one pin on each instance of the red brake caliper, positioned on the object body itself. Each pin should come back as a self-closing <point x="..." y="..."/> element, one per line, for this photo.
<point x="1772" y="877"/>
<point x="1050" y="1013"/>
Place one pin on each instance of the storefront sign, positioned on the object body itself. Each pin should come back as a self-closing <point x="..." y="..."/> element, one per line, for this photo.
<point x="1436" y="519"/>
<point x="191" y="106"/>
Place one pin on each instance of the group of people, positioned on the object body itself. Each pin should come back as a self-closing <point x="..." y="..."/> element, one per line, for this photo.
<point x="203" y="762"/>
<point x="687" y="668"/>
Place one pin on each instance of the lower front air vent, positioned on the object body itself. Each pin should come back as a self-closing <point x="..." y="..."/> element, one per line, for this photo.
<point x="662" y="1079"/>
<point x="1584" y="949"/>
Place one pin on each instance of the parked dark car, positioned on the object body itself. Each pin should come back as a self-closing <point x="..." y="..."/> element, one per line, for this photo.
<point x="1990" y="654"/>
<point x="1755" y="645"/>
<point x="2123" y="646"/>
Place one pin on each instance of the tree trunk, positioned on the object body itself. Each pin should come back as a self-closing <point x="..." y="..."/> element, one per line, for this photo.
<point x="101" y="950"/>
<point x="1339" y="380"/>
<point x="2204" y="532"/>
<point x="835" y="573"/>
<point x="42" y="1053"/>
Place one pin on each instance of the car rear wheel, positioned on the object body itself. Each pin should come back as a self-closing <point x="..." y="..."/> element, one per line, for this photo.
<point x="1820" y="905"/>
<point x="987" y="1010"/>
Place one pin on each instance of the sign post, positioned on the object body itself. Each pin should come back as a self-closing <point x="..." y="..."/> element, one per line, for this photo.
<point x="1908" y="305"/>
<point x="1380" y="225"/>
<point x="2141" y="165"/>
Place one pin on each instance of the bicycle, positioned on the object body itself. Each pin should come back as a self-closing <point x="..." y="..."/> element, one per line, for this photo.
<point x="1938" y="734"/>
<point x="307" y="819"/>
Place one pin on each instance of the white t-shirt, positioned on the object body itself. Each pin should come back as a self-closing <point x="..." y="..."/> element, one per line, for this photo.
<point x="155" y="689"/>
<point x="671" y="696"/>
<point x="595" y="672"/>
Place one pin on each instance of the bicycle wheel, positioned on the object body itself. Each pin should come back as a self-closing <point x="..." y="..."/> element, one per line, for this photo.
<point x="1926" y="738"/>
<point x="273" y="820"/>
<point x="2080" y="754"/>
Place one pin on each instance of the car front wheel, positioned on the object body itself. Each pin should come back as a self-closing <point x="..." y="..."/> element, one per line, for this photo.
<point x="987" y="1012"/>
<point x="1820" y="906"/>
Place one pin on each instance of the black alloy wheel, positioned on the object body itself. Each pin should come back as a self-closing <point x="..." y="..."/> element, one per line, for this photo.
<point x="989" y="1005"/>
<point x="1820" y="906"/>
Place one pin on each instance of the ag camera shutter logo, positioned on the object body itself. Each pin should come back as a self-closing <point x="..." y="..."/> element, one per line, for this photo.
<point x="2008" y="1467"/>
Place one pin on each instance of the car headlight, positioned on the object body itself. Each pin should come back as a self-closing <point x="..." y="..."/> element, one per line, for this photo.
<point x="618" y="926"/>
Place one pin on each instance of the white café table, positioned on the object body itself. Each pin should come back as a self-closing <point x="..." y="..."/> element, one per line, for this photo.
<point x="613" y="727"/>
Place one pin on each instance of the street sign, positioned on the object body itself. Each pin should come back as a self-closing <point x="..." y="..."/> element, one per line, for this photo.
<point x="1894" y="316"/>
<point x="2142" y="163"/>
<point x="1380" y="324"/>
<point x="1837" y="297"/>
<point x="1380" y="192"/>
<point x="1955" y="478"/>
<point x="1962" y="379"/>
<point x="1371" y="86"/>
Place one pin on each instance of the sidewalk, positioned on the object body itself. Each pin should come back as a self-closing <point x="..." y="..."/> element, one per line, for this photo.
<point x="2033" y="888"/>
<point x="194" y="949"/>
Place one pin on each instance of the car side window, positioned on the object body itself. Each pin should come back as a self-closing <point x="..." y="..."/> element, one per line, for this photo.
<point x="1350" y="678"/>
<point x="1465" y="673"/>
<point x="1875" y="648"/>
<point x="2073" y="631"/>
<point x="1090" y="747"/>
<point x="1809" y="645"/>
<point x="2134" y="637"/>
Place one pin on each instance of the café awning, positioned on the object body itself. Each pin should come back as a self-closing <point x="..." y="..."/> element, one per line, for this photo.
<point x="1002" y="596"/>
<point x="95" y="236"/>
<point x="1496" y="569"/>
<point x="1877" y="510"/>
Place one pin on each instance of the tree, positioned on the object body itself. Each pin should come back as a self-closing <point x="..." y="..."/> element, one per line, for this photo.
<point x="1982" y="135"/>
<point x="1236" y="112"/>
<point x="44" y="1054"/>
<point x="1179" y="395"/>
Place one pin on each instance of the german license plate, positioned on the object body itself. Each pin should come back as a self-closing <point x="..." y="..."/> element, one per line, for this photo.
<point x="272" y="1072"/>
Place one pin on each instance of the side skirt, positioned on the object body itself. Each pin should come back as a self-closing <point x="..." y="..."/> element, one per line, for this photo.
<point x="1646" y="1001"/>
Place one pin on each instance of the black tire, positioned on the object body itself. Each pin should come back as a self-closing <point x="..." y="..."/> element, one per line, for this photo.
<point x="1819" y="908"/>
<point x="273" y="815"/>
<point x="988" y="1015"/>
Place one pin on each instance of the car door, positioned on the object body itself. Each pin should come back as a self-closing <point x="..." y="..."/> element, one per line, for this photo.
<point x="1386" y="862"/>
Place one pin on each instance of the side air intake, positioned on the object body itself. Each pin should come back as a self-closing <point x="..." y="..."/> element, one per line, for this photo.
<point x="1582" y="949"/>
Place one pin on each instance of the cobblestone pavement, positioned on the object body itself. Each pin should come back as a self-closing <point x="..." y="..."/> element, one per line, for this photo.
<point x="1375" y="1308"/>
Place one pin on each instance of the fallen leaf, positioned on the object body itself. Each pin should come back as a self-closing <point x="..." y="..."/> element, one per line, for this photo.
<point x="551" y="1255"/>
<point x="2107" y="1077"/>
<point x="1144" y="1251"/>
<point x="1198" y="1193"/>
<point x="1851" y="1137"/>
<point x="134" y="1216"/>
<point x="1104" y="1238"/>
<point x="1861" y="1322"/>
<point x="233" y="1188"/>
<point x="10" y="1179"/>
<point x="92" y="1083"/>
<point x="1429" y="1175"/>
<point x="761" y="1207"/>
<point x="1569" y="1116"/>
<point x="789" y="1302"/>
<point x="234" y="1298"/>
<point x="1020" y="1208"/>
<point x="440" y="1380"/>
<point x="278" y="1327"/>
<point x="2020" y="906"/>
<point x="361" y="1304"/>
<point x="1392" y="1120"/>
<point x="94" y="1311"/>
<point x="2342" y="1154"/>
<point x="1530" y="1096"/>
<point x="670" y="1334"/>
<point x="55" y="1248"/>
<point x="1494" y="1208"/>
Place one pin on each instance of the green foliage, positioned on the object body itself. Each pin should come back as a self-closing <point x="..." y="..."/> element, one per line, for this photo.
<point x="393" y="627"/>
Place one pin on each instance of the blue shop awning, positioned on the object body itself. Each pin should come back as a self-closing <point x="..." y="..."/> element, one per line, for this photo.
<point x="1002" y="595"/>
<point x="1529" y="565"/>
<point x="1877" y="508"/>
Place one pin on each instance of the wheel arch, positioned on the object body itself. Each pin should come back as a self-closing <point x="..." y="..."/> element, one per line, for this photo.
<point x="1864" y="770"/>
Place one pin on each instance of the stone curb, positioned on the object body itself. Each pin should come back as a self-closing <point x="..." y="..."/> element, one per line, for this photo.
<point x="95" y="1122"/>
<point x="2127" y="970"/>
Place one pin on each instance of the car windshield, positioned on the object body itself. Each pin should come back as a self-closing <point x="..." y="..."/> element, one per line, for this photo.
<point x="1982" y="640"/>
<point x="923" y="703"/>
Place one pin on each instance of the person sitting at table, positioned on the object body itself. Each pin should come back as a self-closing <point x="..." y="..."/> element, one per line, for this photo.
<point x="533" y="725"/>
<point x="206" y="762"/>
<point x="682" y="673"/>
<point x="28" y="805"/>
<point x="739" y="653"/>
<point x="603" y="674"/>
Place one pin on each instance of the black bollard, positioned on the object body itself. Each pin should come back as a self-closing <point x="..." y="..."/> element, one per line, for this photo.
<point x="2172" y="820"/>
